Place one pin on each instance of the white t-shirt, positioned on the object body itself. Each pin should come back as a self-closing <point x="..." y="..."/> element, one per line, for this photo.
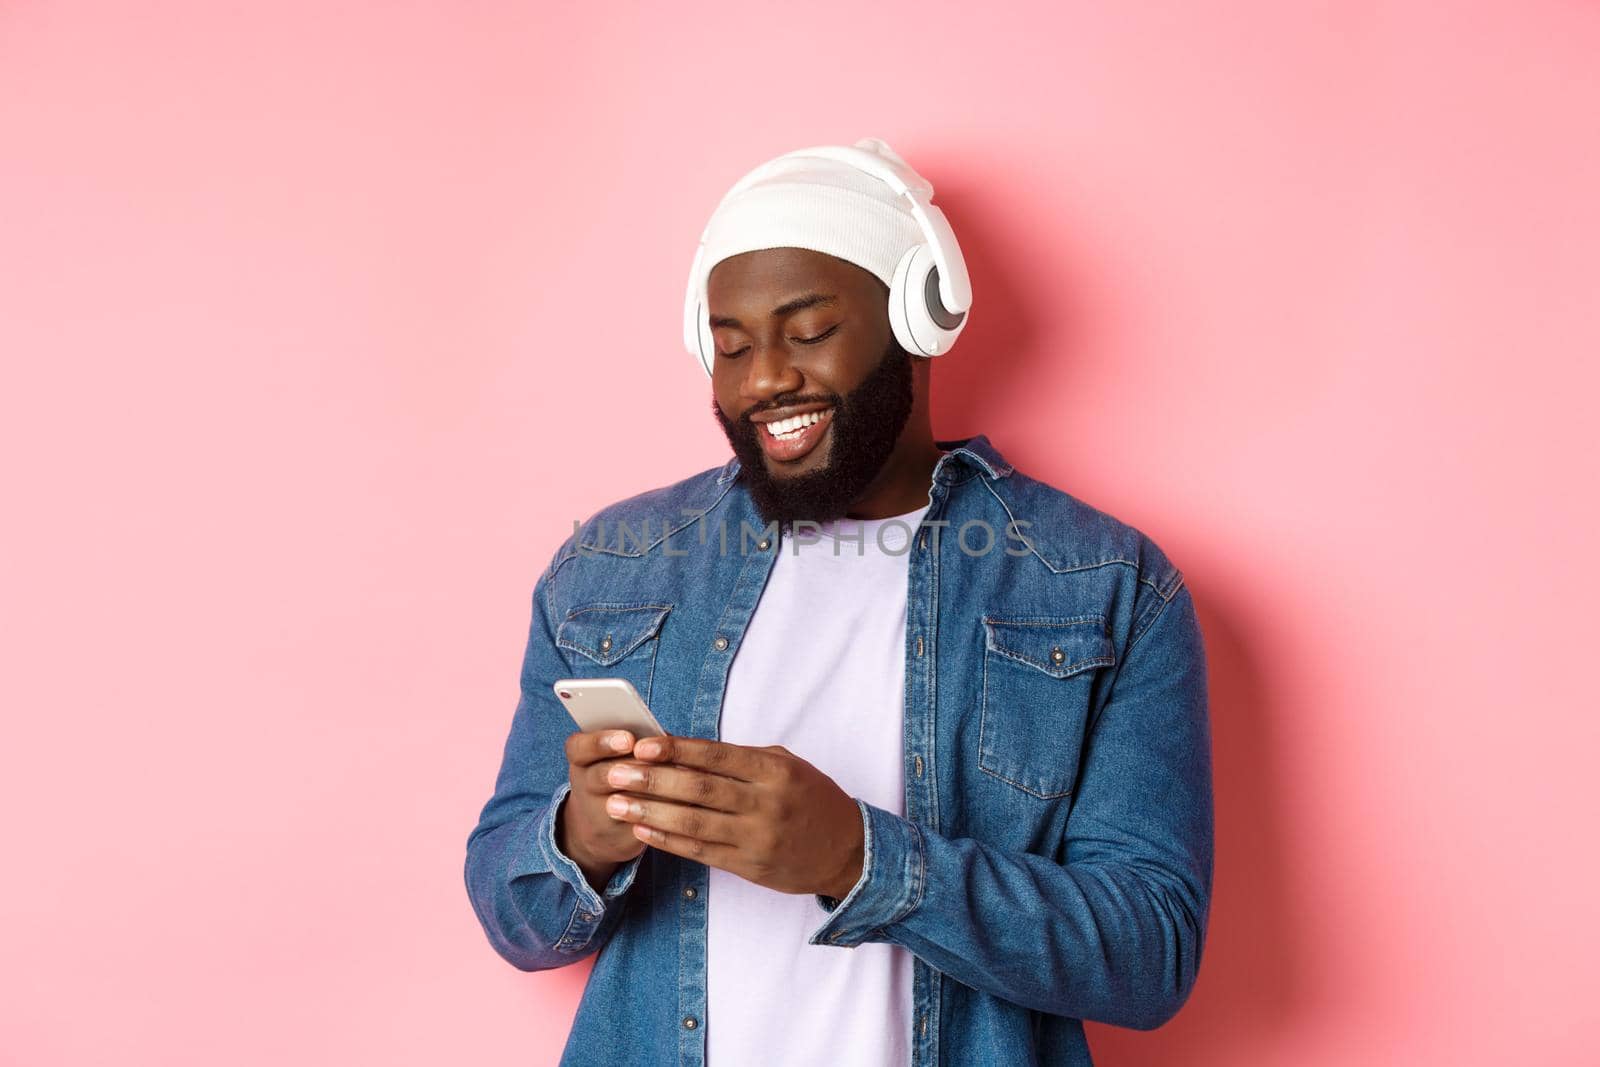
<point x="820" y="671"/>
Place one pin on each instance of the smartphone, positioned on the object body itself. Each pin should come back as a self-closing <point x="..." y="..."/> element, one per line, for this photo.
<point x="607" y="704"/>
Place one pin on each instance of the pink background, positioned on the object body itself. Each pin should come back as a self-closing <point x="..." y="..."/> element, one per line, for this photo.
<point x="321" y="323"/>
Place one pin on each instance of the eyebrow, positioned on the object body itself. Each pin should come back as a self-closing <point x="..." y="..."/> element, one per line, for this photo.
<point x="783" y="310"/>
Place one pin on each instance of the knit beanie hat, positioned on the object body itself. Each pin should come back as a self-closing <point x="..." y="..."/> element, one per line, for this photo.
<point x="823" y="205"/>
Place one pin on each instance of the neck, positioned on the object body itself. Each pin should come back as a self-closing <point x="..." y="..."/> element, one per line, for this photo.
<point x="902" y="484"/>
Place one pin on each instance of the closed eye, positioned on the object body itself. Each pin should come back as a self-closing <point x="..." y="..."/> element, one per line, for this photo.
<point x="818" y="339"/>
<point x="823" y="336"/>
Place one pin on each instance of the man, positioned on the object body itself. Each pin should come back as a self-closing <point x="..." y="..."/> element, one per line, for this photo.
<point x="936" y="785"/>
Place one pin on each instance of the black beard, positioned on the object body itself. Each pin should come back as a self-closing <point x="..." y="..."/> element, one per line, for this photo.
<point x="866" y="425"/>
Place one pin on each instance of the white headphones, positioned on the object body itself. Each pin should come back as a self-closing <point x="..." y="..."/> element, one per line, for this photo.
<point x="930" y="295"/>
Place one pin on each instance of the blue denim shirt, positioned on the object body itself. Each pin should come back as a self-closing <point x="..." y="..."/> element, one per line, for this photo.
<point x="1054" y="860"/>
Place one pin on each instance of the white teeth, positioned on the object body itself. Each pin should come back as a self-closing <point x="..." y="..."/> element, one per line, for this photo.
<point x="788" y="429"/>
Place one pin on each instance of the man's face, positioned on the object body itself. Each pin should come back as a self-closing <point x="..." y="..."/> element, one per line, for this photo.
<point x="810" y="385"/>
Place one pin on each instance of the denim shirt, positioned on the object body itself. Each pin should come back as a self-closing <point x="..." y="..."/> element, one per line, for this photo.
<point x="1054" y="861"/>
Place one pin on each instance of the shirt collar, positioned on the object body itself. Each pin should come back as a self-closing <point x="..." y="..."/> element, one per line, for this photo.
<point x="975" y="452"/>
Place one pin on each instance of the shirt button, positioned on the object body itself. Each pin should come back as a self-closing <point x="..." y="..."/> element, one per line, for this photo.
<point x="765" y="544"/>
<point x="690" y="1022"/>
<point x="605" y="643"/>
<point x="585" y="915"/>
<point x="720" y="644"/>
<point x="688" y="893"/>
<point x="1056" y="655"/>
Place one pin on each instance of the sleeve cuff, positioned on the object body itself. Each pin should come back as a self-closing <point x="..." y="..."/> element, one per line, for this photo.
<point x="893" y="869"/>
<point x="540" y="855"/>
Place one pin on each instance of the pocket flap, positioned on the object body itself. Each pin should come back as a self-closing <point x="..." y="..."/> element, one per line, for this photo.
<point x="1057" y="646"/>
<point x="607" y="632"/>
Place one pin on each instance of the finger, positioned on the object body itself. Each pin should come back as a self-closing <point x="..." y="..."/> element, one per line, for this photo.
<point x="703" y="824"/>
<point x="590" y="746"/>
<point x="674" y="782"/>
<point x="595" y="778"/>
<point x="708" y="852"/>
<point x="730" y="761"/>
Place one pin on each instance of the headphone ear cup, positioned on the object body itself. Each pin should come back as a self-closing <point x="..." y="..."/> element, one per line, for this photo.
<point x="899" y="321"/>
<point x="708" y="344"/>
<point x="921" y="329"/>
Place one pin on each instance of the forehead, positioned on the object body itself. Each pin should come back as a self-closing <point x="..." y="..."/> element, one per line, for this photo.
<point x="768" y="272"/>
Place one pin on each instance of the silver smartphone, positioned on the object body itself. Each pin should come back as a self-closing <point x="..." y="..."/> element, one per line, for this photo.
<point x="607" y="704"/>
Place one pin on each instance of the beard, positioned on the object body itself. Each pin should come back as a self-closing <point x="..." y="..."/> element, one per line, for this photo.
<point x="866" y="424"/>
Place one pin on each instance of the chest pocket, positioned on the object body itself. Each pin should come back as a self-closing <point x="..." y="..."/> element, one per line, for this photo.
<point x="1039" y="677"/>
<point x="613" y="641"/>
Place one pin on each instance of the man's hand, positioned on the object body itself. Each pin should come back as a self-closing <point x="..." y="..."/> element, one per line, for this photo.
<point x="764" y="814"/>
<point x="596" y="842"/>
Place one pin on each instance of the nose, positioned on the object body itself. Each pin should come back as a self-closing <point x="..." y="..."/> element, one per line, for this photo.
<point x="769" y="374"/>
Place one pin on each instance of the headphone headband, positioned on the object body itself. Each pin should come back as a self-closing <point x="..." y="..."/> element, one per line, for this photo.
<point x="935" y="268"/>
<point x="955" y="287"/>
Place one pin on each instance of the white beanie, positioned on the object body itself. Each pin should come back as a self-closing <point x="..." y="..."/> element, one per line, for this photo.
<point x="823" y="205"/>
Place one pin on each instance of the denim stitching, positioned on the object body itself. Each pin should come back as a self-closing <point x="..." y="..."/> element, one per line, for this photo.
<point x="570" y="548"/>
<point x="839" y="918"/>
<point x="1001" y="470"/>
<point x="983" y="735"/>
<point x="1153" y="619"/>
<point x="931" y="742"/>
<point x="569" y="865"/>
<point x="1032" y="543"/>
<point x="870" y="847"/>
<point x="1172" y="585"/>
<point x="915" y="870"/>
<point x="606" y="605"/>
<point x="684" y="870"/>
<point x="644" y="550"/>
<point x="616" y="653"/>
<point x="649" y="678"/>
<point x="507" y="876"/>
<point x="1025" y="788"/>
<point x="620" y="893"/>
<point x="1065" y="670"/>
<point x="1043" y="620"/>
<point x="566" y="942"/>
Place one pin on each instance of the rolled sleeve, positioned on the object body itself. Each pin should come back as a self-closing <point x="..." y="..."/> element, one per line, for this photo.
<point x="540" y="855"/>
<point x="893" y="869"/>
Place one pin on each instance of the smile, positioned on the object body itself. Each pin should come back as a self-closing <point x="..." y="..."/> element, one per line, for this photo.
<point x="788" y="439"/>
<point x="789" y="429"/>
